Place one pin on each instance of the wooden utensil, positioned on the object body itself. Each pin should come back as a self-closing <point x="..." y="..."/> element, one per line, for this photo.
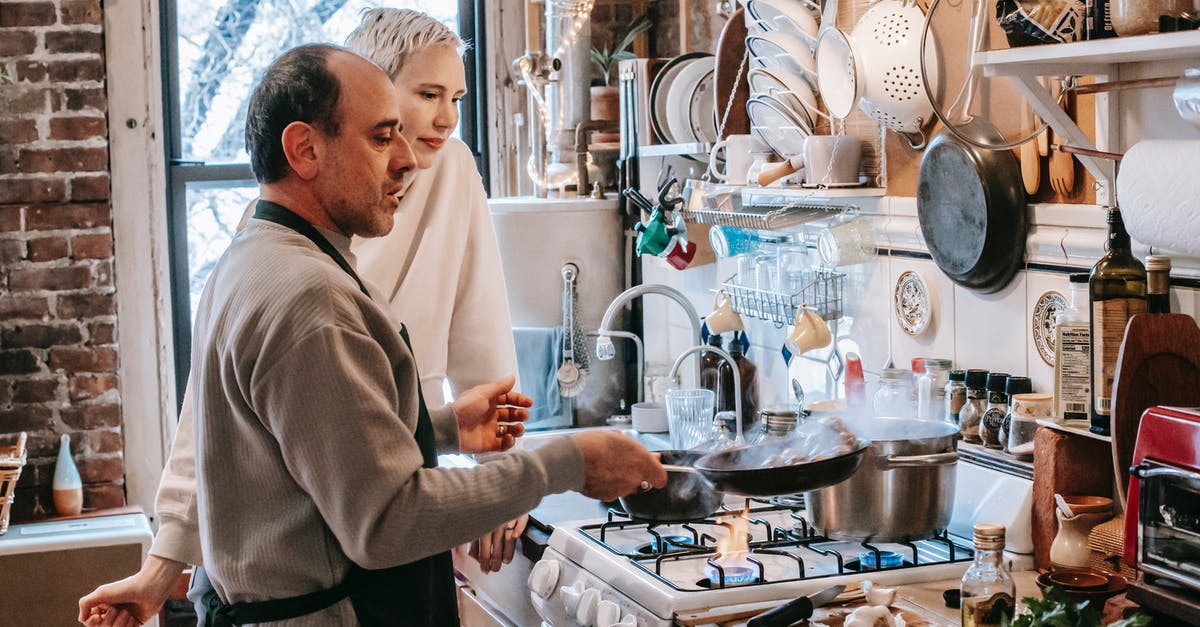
<point x="1031" y="163"/>
<point x="731" y="56"/>
<point x="1159" y="364"/>
<point x="1062" y="165"/>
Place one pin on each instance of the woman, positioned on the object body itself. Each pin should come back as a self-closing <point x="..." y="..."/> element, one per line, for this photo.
<point x="439" y="269"/>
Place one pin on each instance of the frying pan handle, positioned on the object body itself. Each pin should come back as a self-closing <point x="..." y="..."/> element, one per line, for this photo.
<point x="784" y="615"/>
<point x="919" y="461"/>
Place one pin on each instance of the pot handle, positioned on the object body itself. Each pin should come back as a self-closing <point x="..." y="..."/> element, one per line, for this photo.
<point x="918" y="461"/>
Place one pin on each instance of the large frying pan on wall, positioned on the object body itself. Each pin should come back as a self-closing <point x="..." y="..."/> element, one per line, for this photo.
<point x="970" y="200"/>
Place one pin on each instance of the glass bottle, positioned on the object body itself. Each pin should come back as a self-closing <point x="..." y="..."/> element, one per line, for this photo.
<point x="931" y="386"/>
<point x="1012" y="387"/>
<point x="1158" y="285"/>
<point x="68" y="489"/>
<point x="997" y="408"/>
<point x="971" y="413"/>
<point x="711" y="375"/>
<point x="1117" y="290"/>
<point x="1072" y="355"/>
<point x="955" y="395"/>
<point x="748" y="374"/>
<point x="988" y="591"/>
<point x="894" y="396"/>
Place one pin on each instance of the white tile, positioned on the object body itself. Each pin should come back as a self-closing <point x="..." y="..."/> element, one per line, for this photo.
<point x="866" y="299"/>
<point x="938" y="339"/>
<point x="990" y="329"/>
<point x="1184" y="301"/>
<point x="1037" y="284"/>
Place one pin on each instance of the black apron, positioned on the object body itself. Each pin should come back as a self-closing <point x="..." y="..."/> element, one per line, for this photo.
<point x="418" y="593"/>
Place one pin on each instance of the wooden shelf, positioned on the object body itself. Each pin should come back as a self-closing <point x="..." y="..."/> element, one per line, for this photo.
<point x="1074" y="427"/>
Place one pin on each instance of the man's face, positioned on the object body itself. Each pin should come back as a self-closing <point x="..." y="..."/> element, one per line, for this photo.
<point x="430" y="83"/>
<point x="364" y="166"/>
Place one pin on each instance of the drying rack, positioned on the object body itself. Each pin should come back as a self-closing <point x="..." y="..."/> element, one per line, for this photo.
<point x="765" y="208"/>
<point x="821" y="291"/>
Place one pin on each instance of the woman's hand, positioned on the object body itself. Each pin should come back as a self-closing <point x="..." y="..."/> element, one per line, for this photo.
<point x="496" y="548"/>
<point x="490" y="417"/>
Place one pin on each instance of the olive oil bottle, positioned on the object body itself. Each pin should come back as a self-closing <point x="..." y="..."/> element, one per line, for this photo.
<point x="988" y="591"/>
<point x="1117" y="290"/>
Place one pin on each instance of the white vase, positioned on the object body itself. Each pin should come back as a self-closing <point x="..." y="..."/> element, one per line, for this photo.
<point x="1070" y="546"/>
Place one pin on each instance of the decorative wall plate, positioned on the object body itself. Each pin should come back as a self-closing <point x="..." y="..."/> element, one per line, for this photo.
<point x="911" y="303"/>
<point x="1044" y="310"/>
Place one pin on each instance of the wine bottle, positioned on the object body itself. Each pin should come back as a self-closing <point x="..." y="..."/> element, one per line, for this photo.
<point x="1158" y="287"/>
<point x="1117" y="291"/>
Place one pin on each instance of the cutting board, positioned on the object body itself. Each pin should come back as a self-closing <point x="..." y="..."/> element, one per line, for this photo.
<point x="833" y="615"/>
<point x="731" y="50"/>
<point x="1159" y="364"/>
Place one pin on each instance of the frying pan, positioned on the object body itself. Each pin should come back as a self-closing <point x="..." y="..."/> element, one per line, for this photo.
<point x="687" y="495"/>
<point x="970" y="200"/>
<point x="739" y="470"/>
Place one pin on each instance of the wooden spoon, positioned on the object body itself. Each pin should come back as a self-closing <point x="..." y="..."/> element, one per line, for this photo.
<point x="1031" y="163"/>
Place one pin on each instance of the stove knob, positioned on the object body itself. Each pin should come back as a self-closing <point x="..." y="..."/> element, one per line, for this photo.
<point x="588" y="602"/>
<point x="626" y="621"/>
<point x="570" y="596"/>
<point x="607" y="614"/>
<point x="544" y="577"/>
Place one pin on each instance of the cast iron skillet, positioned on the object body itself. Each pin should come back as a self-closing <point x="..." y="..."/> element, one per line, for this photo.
<point x="738" y="470"/>
<point x="687" y="496"/>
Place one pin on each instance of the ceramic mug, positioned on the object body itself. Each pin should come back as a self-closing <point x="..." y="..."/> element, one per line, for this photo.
<point x="809" y="333"/>
<point x="649" y="417"/>
<point x="738" y="150"/>
<point x="723" y="318"/>
<point x="832" y="159"/>
<point x="679" y="252"/>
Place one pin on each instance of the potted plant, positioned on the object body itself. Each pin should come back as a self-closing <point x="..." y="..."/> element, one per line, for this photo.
<point x="605" y="97"/>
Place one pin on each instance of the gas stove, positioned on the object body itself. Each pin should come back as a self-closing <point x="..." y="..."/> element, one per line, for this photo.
<point x="623" y="572"/>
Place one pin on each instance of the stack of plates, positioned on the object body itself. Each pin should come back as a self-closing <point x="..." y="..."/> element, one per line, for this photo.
<point x="682" y="107"/>
<point x="782" y="76"/>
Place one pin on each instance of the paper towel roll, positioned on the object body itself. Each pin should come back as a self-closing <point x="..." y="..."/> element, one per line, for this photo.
<point x="1158" y="188"/>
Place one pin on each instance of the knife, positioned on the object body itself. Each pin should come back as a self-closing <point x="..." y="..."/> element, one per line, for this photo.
<point x="796" y="609"/>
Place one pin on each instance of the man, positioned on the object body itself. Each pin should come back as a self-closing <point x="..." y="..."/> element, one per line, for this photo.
<point x="315" y="453"/>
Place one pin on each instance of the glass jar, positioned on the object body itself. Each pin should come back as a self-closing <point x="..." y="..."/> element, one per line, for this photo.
<point x="720" y="438"/>
<point x="776" y="425"/>
<point x="1025" y="411"/>
<point x="895" y="394"/>
<point x="1139" y="17"/>
<point x="931" y="388"/>
<point x="1013" y="387"/>
<point x="996" y="410"/>
<point x="971" y="413"/>
<point x="955" y="395"/>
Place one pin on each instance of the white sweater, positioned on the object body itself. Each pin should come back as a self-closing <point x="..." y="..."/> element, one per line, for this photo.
<point x="448" y="289"/>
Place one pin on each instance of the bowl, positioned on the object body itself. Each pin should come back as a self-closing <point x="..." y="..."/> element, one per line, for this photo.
<point x="1114" y="585"/>
<point x="1089" y="504"/>
<point x="1077" y="579"/>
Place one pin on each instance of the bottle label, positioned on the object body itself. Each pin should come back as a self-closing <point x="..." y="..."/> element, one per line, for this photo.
<point x="1109" y="318"/>
<point x="989" y="428"/>
<point x="995" y="610"/>
<point x="1073" y="369"/>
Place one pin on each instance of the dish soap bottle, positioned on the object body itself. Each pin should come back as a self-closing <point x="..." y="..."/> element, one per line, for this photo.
<point x="988" y="592"/>
<point x="1072" y="356"/>
<point x="68" y="488"/>
<point x="1117" y="289"/>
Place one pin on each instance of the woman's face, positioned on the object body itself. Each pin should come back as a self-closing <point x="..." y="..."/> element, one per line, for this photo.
<point x="431" y="83"/>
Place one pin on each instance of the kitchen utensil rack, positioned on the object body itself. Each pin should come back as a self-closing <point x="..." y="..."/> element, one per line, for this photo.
<point x="821" y="292"/>
<point x="766" y="208"/>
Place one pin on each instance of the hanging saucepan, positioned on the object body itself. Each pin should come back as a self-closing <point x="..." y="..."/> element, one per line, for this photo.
<point x="970" y="200"/>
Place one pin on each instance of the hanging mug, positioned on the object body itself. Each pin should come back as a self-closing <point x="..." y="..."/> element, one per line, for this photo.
<point x="680" y="253"/>
<point x="653" y="237"/>
<point x="809" y="333"/>
<point x="723" y="318"/>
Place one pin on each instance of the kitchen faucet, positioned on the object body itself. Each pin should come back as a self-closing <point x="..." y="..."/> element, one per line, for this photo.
<point x="737" y="380"/>
<point x="604" y="344"/>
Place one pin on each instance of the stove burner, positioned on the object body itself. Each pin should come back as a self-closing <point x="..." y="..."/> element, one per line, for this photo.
<point x="669" y="543"/>
<point x="866" y="561"/>
<point x="734" y="576"/>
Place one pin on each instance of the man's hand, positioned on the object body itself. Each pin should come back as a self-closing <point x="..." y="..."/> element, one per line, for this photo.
<point x="134" y="599"/>
<point x="490" y="416"/>
<point x="496" y="548"/>
<point x="616" y="465"/>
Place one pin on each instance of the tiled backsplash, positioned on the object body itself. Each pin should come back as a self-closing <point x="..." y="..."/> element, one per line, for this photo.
<point x="992" y="331"/>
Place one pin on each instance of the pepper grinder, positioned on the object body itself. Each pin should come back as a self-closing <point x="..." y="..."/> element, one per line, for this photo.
<point x="68" y="488"/>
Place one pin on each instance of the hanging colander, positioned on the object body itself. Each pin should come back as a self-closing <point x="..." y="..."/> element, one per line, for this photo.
<point x="887" y="44"/>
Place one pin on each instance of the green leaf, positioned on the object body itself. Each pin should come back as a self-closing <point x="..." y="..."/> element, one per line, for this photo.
<point x="624" y="55"/>
<point x="639" y="26"/>
<point x="1137" y="620"/>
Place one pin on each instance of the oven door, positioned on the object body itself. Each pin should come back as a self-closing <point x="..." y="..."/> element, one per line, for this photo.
<point x="1169" y="523"/>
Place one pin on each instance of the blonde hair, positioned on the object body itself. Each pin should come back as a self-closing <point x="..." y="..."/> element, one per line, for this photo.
<point x="388" y="36"/>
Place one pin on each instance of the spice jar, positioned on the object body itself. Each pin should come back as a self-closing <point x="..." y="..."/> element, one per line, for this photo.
<point x="1025" y="411"/>
<point x="955" y="395"/>
<point x="931" y="386"/>
<point x="776" y="425"/>
<point x="1139" y="17"/>
<point x="997" y="408"/>
<point x="895" y="394"/>
<point x="971" y="413"/>
<point x="1014" y="386"/>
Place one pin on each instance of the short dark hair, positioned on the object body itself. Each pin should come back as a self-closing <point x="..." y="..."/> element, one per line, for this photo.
<point x="298" y="87"/>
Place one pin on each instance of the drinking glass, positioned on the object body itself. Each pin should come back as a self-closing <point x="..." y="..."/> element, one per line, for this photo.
<point x="792" y="263"/>
<point x="689" y="416"/>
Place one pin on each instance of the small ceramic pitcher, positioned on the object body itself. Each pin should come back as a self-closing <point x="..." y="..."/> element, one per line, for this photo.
<point x="1070" y="546"/>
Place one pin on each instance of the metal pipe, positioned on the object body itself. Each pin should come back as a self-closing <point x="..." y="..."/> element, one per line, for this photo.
<point x="582" y="132"/>
<point x="737" y="380"/>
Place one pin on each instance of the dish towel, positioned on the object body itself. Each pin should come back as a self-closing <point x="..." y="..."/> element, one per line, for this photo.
<point x="538" y="353"/>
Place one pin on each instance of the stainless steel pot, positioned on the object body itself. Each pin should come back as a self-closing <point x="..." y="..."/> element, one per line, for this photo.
<point x="904" y="489"/>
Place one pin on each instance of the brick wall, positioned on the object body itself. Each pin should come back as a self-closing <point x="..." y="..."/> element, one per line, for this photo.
<point x="58" y="345"/>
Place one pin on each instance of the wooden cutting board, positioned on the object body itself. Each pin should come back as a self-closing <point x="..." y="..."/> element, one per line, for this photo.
<point x="1159" y="364"/>
<point x="731" y="49"/>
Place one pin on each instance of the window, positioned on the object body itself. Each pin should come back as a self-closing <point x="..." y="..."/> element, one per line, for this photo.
<point x="214" y="53"/>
